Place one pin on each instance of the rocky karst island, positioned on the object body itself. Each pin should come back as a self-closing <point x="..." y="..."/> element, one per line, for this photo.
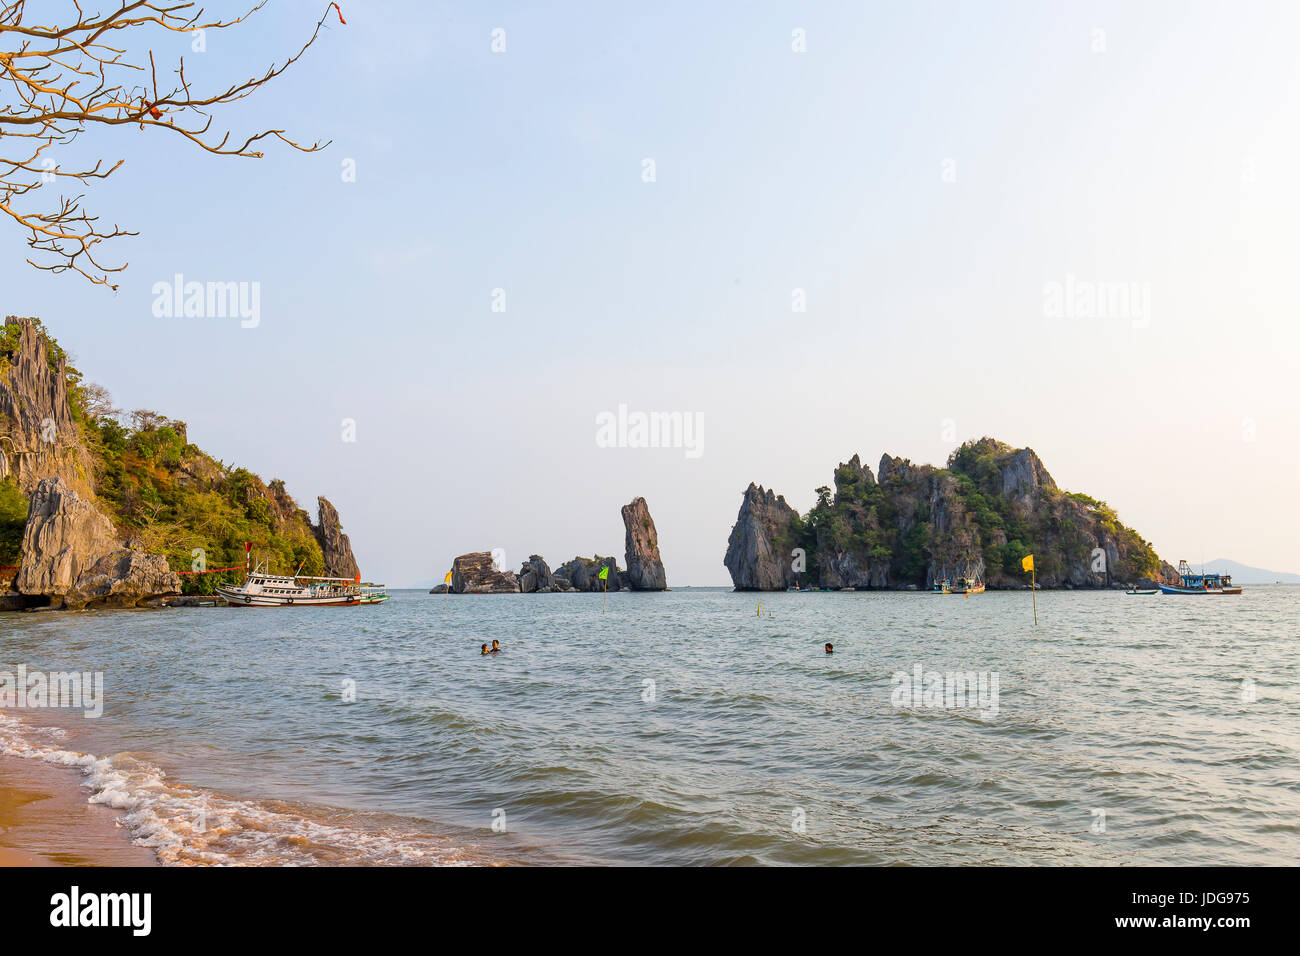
<point x="102" y="508"/>
<point x="477" y="573"/>
<point x="910" y="526"/>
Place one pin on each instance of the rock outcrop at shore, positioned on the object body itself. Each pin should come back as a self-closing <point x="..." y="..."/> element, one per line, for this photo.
<point x="759" y="549"/>
<point x="72" y="555"/>
<point x="913" y="525"/>
<point x="645" y="569"/>
<point x="132" y="476"/>
<point x="475" y="573"/>
<point x="334" y="544"/>
<point x="1168" y="574"/>
<point x="125" y="578"/>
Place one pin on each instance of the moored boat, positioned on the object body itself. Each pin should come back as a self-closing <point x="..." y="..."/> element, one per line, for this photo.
<point x="1200" y="583"/>
<point x="263" y="589"/>
<point x="970" y="583"/>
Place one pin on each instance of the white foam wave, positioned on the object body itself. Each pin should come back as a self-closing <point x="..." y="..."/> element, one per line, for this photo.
<point x="188" y="826"/>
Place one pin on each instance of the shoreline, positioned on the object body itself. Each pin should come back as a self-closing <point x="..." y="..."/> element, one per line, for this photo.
<point x="46" y="820"/>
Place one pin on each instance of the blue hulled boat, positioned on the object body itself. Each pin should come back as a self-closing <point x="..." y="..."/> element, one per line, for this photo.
<point x="1200" y="583"/>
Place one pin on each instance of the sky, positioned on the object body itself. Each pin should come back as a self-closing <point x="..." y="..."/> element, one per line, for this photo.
<point x="814" y="229"/>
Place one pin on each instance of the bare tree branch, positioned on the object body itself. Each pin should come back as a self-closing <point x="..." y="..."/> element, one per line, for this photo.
<point x="60" y="81"/>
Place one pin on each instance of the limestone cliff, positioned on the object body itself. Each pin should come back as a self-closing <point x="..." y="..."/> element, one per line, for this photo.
<point x="759" y="554"/>
<point x="135" y="497"/>
<point x="914" y="525"/>
<point x="645" y="569"/>
<point x="334" y="544"/>
<point x="72" y="555"/>
<point x="38" y="435"/>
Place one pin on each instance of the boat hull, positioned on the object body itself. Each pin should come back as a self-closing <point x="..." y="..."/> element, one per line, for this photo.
<point x="1176" y="589"/>
<point x="235" y="598"/>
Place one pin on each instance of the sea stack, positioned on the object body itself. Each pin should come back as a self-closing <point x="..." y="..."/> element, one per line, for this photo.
<point x="755" y="552"/>
<point x="645" y="569"/>
<point x="475" y="573"/>
<point x="334" y="544"/>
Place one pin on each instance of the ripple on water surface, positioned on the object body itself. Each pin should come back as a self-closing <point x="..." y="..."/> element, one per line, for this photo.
<point x="684" y="728"/>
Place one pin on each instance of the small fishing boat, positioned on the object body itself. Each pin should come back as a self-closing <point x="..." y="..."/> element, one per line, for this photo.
<point x="1142" y="591"/>
<point x="1200" y="583"/>
<point x="970" y="583"/>
<point x="263" y="589"/>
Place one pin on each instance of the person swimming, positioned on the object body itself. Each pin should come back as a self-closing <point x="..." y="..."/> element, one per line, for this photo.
<point x="830" y="648"/>
<point x="496" y="647"/>
<point x="484" y="650"/>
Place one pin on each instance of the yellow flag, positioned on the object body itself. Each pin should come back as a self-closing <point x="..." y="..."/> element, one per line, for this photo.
<point x="447" y="579"/>
<point x="1027" y="562"/>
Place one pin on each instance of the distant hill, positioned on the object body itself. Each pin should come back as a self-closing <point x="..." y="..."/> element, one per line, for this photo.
<point x="1244" y="574"/>
<point x="161" y="494"/>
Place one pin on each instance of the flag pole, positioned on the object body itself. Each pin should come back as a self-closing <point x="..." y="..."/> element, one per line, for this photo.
<point x="1027" y="563"/>
<point x="1033" y="587"/>
<point x="605" y="596"/>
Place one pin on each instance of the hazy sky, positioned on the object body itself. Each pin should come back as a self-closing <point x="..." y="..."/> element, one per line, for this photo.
<point x="923" y="173"/>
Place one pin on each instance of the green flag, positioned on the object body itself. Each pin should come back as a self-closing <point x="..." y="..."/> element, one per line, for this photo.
<point x="604" y="573"/>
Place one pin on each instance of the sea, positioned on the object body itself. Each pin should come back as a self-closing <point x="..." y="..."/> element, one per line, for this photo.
<point x="693" y="727"/>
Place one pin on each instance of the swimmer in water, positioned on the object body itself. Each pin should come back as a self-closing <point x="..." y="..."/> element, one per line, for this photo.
<point x="496" y="648"/>
<point x="483" y="649"/>
<point x="830" y="648"/>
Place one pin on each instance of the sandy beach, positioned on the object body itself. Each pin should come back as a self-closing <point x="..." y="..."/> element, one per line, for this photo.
<point x="46" y="821"/>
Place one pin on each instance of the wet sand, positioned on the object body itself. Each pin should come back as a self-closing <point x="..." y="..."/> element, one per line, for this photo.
<point x="46" y="821"/>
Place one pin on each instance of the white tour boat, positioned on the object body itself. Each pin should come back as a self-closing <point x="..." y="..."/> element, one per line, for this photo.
<point x="263" y="589"/>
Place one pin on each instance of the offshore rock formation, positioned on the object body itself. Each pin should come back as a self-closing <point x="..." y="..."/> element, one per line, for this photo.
<point x="334" y="544"/>
<point x="759" y="549"/>
<point x="645" y="569"/>
<point x="475" y="573"/>
<point x="72" y="555"/>
<point x="913" y="525"/>
<point x="581" y="574"/>
<point x="535" y="577"/>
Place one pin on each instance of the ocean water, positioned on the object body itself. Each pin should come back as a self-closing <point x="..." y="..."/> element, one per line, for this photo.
<point x="697" y="726"/>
